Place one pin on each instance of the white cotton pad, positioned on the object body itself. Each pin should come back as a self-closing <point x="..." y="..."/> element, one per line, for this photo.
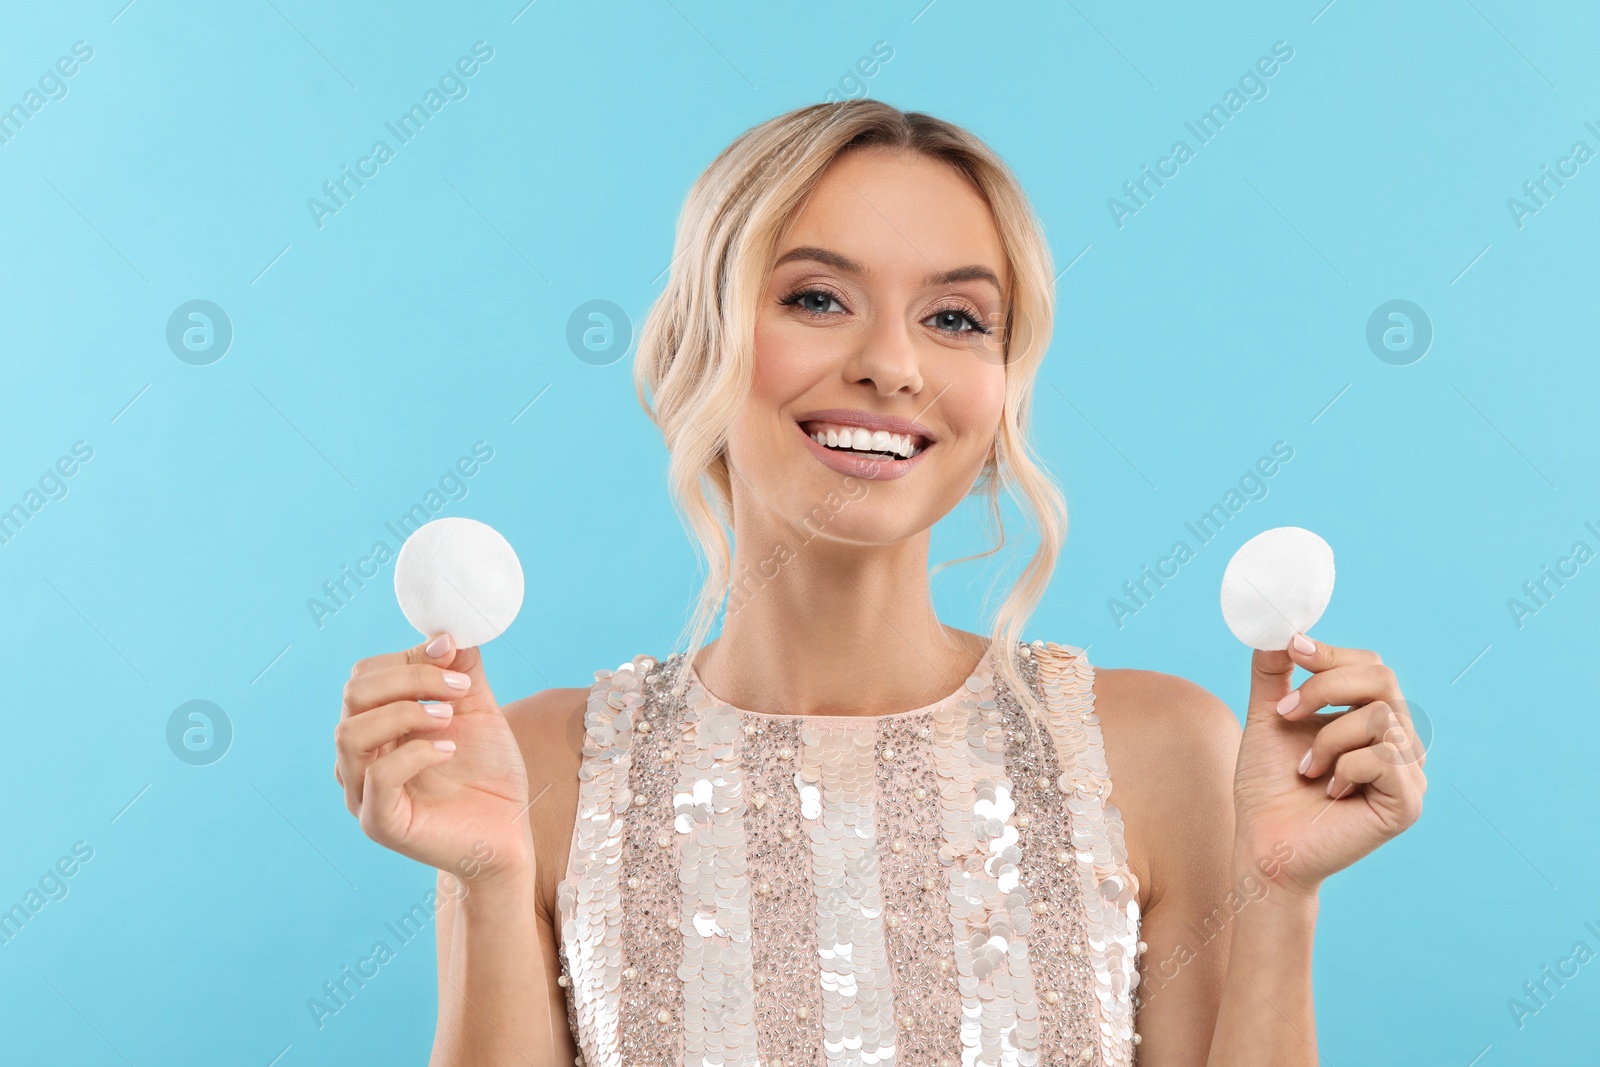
<point x="1276" y="586"/>
<point x="460" y="577"/>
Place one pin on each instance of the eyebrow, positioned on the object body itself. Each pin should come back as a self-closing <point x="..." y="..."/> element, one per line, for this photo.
<point x="974" y="273"/>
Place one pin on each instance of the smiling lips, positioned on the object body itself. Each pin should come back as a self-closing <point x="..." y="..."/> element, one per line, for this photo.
<point x="865" y="445"/>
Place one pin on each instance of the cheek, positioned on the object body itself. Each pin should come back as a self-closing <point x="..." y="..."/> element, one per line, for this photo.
<point x="994" y="393"/>
<point x="784" y="363"/>
<point x="976" y="402"/>
<point x="778" y="375"/>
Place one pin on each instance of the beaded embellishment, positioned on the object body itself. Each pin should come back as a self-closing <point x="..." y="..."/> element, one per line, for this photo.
<point x="942" y="886"/>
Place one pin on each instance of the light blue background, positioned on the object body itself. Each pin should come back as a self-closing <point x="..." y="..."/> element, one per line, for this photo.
<point x="369" y="354"/>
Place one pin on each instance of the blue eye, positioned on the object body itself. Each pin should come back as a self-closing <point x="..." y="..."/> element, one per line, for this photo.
<point x="961" y="315"/>
<point x="800" y="298"/>
<point x="954" y="320"/>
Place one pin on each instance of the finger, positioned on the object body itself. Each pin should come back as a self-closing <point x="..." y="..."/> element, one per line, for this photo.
<point x="385" y="805"/>
<point x="1354" y="729"/>
<point x="361" y="739"/>
<point x="1394" y="790"/>
<point x="1316" y="656"/>
<point x="1270" y="671"/>
<point x="413" y="681"/>
<point x="437" y="650"/>
<point x="479" y="697"/>
<point x="1392" y="720"/>
<point x="1347" y="685"/>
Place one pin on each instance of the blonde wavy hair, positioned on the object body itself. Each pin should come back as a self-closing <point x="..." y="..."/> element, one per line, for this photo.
<point x="693" y="368"/>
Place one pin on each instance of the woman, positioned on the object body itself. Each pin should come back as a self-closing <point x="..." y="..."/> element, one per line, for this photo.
<point x="844" y="831"/>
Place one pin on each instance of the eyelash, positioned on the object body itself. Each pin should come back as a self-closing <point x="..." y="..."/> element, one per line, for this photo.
<point x="965" y="312"/>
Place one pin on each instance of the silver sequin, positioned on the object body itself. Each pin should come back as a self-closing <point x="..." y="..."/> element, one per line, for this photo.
<point x="719" y="991"/>
<point x="836" y="784"/>
<point x="774" y="928"/>
<point x="1110" y="901"/>
<point x="989" y="916"/>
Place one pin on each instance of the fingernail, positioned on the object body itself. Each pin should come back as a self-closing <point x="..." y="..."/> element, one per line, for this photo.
<point x="437" y="646"/>
<point x="439" y="711"/>
<point x="1305" y="761"/>
<point x="1289" y="703"/>
<point x="1304" y="644"/>
<point x="445" y="746"/>
<point x="456" y="680"/>
<point x="1330" y="787"/>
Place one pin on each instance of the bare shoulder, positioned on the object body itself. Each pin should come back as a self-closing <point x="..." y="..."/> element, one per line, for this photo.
<point x="1162" y="710"/>
<point x="1171" y="747"/>
<point x="549" y="730"/>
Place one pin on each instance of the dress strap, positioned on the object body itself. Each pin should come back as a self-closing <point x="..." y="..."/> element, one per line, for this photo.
<point x="1110" y="888"/>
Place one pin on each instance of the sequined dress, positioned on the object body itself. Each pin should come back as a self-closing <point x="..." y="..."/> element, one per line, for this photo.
<point x="941" y="886"/>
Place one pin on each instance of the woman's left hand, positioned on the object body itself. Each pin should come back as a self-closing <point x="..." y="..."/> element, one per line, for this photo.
<point x="1332" y="786"/>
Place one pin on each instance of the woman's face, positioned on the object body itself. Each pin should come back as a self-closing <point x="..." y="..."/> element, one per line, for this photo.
<point x="874" y="319"/>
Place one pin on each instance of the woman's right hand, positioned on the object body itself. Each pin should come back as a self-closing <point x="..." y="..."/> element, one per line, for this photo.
<point x="447" y="790"/>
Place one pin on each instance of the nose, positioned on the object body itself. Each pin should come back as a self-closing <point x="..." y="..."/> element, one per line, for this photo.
<point x="886" y="358"/>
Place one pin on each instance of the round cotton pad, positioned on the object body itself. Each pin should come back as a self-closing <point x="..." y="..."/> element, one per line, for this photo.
<point x="1276" y="586"/>
<point x="460" y="577"/>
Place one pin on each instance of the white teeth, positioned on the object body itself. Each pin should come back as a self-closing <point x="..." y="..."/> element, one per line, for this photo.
<point x="862" y="440"/>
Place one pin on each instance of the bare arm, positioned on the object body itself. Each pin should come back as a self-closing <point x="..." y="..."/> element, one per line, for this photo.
<point x="1171" y="748"/>
<point x="1226" y="977"/>
<point x="499" y="1004"/>
<point x="1318" y="791"/>
<point x="434" y="769"/>
<point x="1267" y="1014"/>
<point x="499" y="954"/>
<point x="1238" y="832"/>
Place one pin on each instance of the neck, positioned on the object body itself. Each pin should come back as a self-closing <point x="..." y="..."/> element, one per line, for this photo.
<point x="822" y="627"/>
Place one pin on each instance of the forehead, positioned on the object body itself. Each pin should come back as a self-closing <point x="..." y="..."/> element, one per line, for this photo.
<point x="899" y="214"/>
